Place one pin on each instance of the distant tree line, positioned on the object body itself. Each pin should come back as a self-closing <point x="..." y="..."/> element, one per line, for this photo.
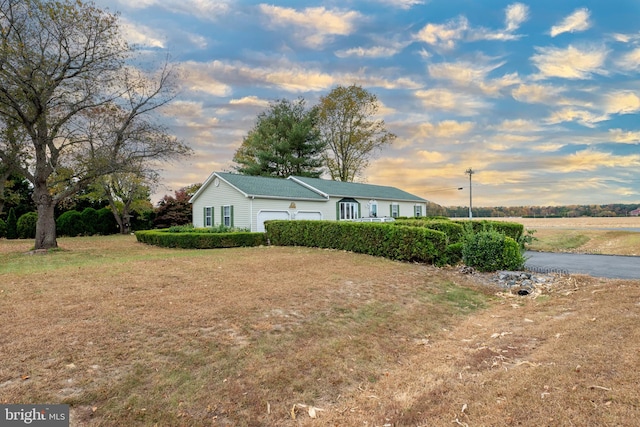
<point x="568" y="211"/>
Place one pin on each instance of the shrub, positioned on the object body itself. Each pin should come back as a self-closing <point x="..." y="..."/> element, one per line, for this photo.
<point x="90" y="220"/>
<point x="3" y="228"/>
<point x="189" y="228"/>
<point x="453" y="230"/>
<point x="70" y="224"/>
<point x="105" y="224"/>
<point x="27" y="225"/>
<point x="197" y="240"/>
<point x="12" y="225"/>
<point x="453" y="253"/>
<point x="491" y="250"/>
<point x="511" y="229"/>
<point x="379" y="239"/>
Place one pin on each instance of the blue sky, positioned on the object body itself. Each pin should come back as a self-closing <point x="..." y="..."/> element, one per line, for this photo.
<point x="540" y="98"/>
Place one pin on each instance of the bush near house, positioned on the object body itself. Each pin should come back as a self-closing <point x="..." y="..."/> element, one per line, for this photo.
<point x="510" y="229"/>
<point x="379" y="239"/>
<point x="195" y="238"/>
<point x="453" y="230"/>
<point x="459" y="241"/>
<point x="486" y="245"/>
<point x="491" y="250"/>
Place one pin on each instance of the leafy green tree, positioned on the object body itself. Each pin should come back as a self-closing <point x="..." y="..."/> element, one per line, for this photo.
<point x="285" y="141"/>
<point x="3" y="228"/>
<point x="12" y="225"/>
<point x="14" y="140"/>
<point x="18" y="194"/>
<point x="126" y="192"/>
<point x="352" y="133"/>
<point x="65" y="83"/>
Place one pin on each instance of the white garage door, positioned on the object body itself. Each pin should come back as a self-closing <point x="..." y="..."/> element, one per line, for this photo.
<point x="267" y="215"/>
<point x="308" y="215"/>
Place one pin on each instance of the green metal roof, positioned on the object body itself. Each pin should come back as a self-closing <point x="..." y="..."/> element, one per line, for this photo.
<point x="261" y="186"/>
<point x="354" y="189"/>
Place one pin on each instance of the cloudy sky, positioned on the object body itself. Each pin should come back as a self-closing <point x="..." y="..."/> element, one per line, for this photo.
<point x="540" y="98"/>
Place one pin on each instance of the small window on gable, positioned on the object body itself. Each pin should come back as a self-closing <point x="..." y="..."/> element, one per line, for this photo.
<point x="395" y="210"/>
<point x="417" y="211"/>
<point x="227" y="216"/>
<point x="348" y="209"/>
<point x="208" y="216"/>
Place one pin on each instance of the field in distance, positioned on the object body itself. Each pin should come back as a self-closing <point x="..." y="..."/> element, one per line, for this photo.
<point x="593" y="235"/>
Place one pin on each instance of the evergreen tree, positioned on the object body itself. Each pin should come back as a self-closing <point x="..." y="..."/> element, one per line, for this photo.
<point x="12" y="225"/>
<point x="285" y="141"/>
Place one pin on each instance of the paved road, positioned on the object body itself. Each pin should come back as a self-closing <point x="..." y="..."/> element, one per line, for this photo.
<point x="611" y="266"/>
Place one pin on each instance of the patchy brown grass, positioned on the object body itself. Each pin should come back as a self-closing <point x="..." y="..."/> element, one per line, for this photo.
<point x="129" y="334"/>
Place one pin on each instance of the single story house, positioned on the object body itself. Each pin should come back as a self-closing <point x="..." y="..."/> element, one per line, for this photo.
<point x="635" y="212"/>
<point x="245" y="201"/>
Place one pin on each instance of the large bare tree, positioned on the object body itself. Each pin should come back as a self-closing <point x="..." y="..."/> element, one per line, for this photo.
<point x="349" y="127"/>
<point x="65" y="83"/>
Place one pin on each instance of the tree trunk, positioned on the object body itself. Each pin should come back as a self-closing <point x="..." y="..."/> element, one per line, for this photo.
<point x="114" y="210"/>
<point x="46" y="225"/>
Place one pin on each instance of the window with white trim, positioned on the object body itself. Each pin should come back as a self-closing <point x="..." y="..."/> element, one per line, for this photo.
<point x="227" y="216"/>
<point x="348" y="210"/>
<point x="395" y="210"/>
<point x="417" y="211"/>
<point x="373" y="209"/>
<point x="208" y="216"/>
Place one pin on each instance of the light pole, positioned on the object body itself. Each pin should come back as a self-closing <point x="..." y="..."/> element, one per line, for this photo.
<point x="470" y="172"/>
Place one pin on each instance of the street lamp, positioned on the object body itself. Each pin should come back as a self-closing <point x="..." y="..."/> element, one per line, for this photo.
<point x="470" y="172"/>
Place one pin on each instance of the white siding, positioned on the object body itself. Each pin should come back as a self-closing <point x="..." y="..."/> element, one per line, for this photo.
<point x="246" y="209"/>
<point x="217" y="197"/>
<point x="384" y="207"/>
<point x="291" y="206"/>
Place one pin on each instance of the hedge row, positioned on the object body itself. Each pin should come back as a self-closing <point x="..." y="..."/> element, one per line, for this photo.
<point x="378" y="239"/>
<point x="199" y="240"/>
<point x="509" y="229"/>
<point x="455" y="230"/>
<point x="88" y="222"/>
<point x="22" y="228"/>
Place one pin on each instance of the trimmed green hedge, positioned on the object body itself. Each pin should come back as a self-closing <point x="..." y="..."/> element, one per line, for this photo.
<point x="198" y="240"/>
<point x="491" y="251"/>
<point x="378" y="239"/>
<point x="453" y="230"/>
<point x="510" y="229"/>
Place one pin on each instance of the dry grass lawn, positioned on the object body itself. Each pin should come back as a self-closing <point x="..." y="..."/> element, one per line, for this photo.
<point x="133" y="335"/>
